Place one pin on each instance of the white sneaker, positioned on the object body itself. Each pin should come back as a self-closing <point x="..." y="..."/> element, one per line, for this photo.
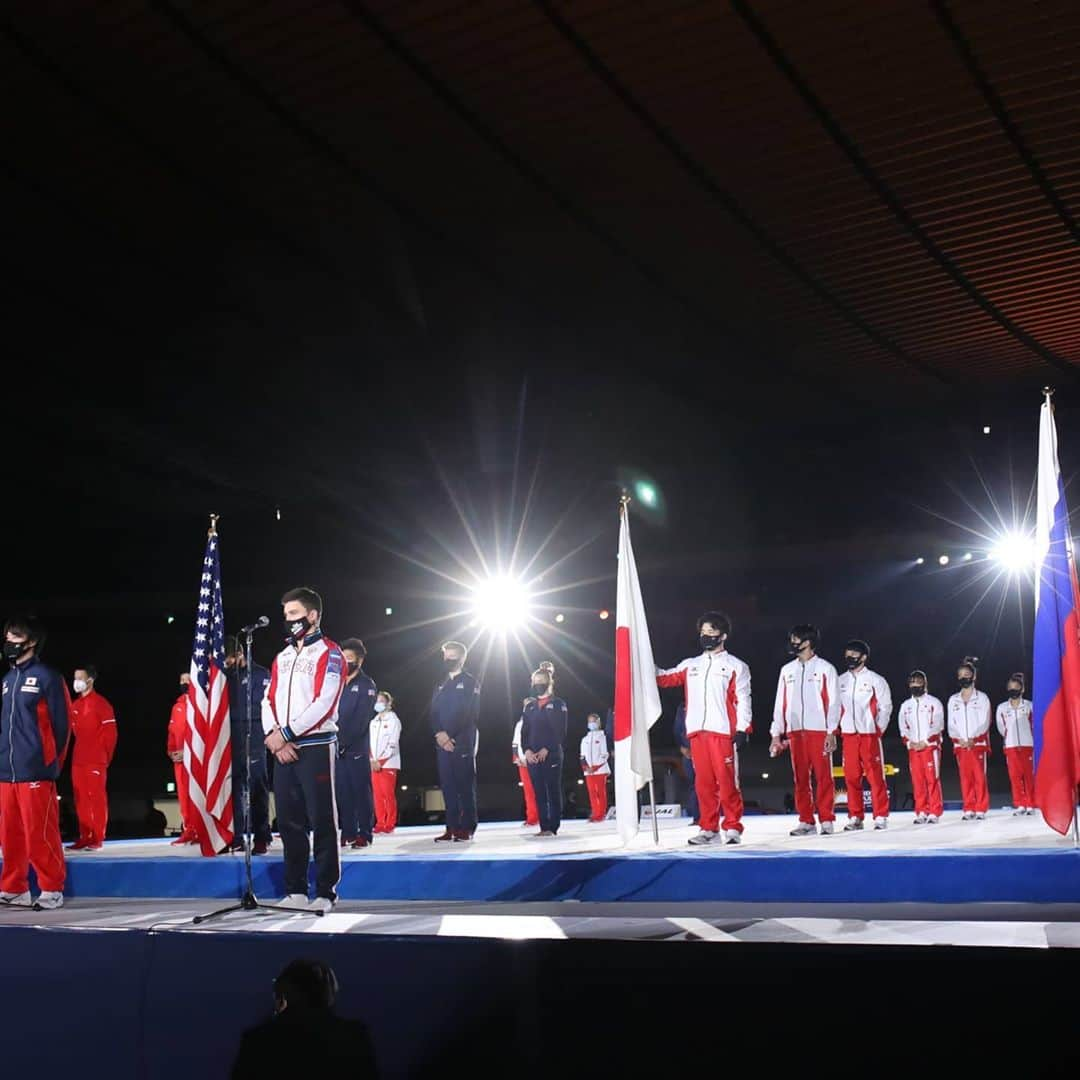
<point x="968" y="815"/>
<point x="1019" y="810"/>
<point x="854" y="824"/>
<point x="826" y="828"/>
<point x="920" y="819"/>
<point x="803" y="829"/>
<point x="1031" y="810"/>
<point x="704" y="837"/>
<point x="15" y="899"/>
<point x="931" y="819"/>
<point x="732" y="836"/>
<point x="881" y="823"/>
<point x="323" y="904"/>
<point x="294" y="900"/>
<point x="980" y="816"/>
<point x="49" y="901"/>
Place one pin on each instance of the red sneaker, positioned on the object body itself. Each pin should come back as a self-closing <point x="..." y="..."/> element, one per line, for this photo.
<point x="361" y="841"/>
<point x="445" y="838"/>
<point x="78" y="845"/>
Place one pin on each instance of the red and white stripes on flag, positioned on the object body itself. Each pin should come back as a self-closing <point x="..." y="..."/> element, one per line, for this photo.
<point x="637" y="699"/>
<point x="207" y="739"/>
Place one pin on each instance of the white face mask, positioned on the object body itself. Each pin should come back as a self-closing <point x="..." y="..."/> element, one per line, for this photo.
<point x="80" y="686"/>
<point x="593" y="725"/>
<point x="380" y="706"/>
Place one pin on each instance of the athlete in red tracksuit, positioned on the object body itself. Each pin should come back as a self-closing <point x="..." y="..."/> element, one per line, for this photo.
<point x="93" y="725"/>
<point x="921" y="721"/>
<point x="384" y="738"/>
<point x="532" y="813"/>
<point x="34" y="732"/>
<point x="175" y="750"/>
<point x="806" y="716"/>
<point x="594" y="764"/>
<point x="718" y="725"/>
<point x="865" y="708"/>
<point x="969" y="728"/>
<point x="1014" y="725"/>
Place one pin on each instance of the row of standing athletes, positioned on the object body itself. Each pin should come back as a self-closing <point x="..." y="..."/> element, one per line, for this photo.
<point x="812" y="704"/>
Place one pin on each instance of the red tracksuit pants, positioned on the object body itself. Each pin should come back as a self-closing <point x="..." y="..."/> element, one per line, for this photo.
<point x="716" y="781"/>
<point x="1021" y="762"/>
<point x="384" y="791"/>
<point x="91" y="802"/>
<point x="187" y="815"/>
<point x="809" y="761"/>
<point x="973" y="788"/>
<point x="532" y="811"/>
<point x="925" y="768"/>
<point x="30" y="836"/>
<point x="863" y="757"/>
<point x="597" y="785"/>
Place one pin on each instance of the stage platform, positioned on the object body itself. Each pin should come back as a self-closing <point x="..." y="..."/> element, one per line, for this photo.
<point x="1001" y="859"/>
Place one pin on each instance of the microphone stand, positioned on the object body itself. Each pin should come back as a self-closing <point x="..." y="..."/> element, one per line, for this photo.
<point x="249" y="901"/>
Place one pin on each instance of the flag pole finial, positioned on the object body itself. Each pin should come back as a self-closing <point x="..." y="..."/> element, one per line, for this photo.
<point x="213" y="524"/>
<point x="624" y="499"/>
<point x="1048" y="392"/>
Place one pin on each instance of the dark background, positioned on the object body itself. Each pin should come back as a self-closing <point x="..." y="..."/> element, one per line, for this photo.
<point x="402" y="271"/>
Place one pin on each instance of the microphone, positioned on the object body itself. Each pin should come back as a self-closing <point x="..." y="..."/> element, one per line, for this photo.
<point x="258" y="624"/>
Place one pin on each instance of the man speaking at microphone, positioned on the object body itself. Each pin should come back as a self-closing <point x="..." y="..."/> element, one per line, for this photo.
<point x="299" y="716"/>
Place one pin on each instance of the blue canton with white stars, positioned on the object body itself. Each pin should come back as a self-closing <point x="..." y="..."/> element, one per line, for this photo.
<point x="210" y="622"/>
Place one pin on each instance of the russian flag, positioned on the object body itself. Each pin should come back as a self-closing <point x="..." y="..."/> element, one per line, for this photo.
<point x="637" y="700"/>
<point x="1056" y="664"/>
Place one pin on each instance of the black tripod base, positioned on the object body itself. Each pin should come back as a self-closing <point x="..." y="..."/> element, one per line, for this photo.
<point x="249" y="902"/>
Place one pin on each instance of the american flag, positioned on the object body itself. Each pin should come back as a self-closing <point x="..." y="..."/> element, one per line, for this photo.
<point x="207" y="746"/>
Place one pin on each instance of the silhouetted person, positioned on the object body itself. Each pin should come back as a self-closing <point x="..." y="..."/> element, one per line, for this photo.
<point x="305" y="1037"/>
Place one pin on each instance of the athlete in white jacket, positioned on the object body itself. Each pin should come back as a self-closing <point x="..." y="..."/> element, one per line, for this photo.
<point x="594" y="764"/>
<point x="805" y="717"/>
<point x="865" y="709"/>
<point x="1014" y="726"/>
<point x="385" y="734"/>
<point x="969" y="714"/>
<point x="921" y="721"/>
<point x="718" y="723"/>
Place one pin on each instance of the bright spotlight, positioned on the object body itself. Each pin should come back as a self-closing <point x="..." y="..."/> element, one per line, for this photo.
<point x="986" y="430"/>
<point x="560" y="617"/>
<point x="943" y="560"/>
<point x="389" y="611"/>
<point x="967" y="556"/>
<point x="646" y="492"/>
<point x="764" y="776"/>
<point x="581" y="781"/>
<point x="919" y="561"/>
<point x="1015" y="552"/>
<point x="501" y="603"/>
<point x="605" y="614"/>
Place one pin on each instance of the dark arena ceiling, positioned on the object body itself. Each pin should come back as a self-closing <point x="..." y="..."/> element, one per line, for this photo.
<point x="876" y="191"/>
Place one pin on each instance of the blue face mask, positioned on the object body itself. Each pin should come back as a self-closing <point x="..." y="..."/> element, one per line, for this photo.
<point x="593" y="725"/>
<point x="380" y="706"/>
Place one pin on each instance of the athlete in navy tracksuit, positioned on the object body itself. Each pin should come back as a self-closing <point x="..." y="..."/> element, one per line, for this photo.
<point x="683" y="743"/>
<point x="34" y="732"/>
<point x="455" y="709"/>
<point x="356" y="708"/>
<point x="543" y="732"/>
<point x="256" y="773"/>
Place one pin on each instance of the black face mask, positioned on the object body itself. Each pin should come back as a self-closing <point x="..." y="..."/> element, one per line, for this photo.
<point x="539" y="689"/>
<point x="14" y="649"/>
<point x="852" y="662"/>
<point x="452" y="663"/>
<point x="965" y="681"/>
<point x="793" y="647"/>
<point x="1014" y="694"/>
<point x="295" y="628"/>
<point x="709" y="641"/>
<point x="917" y="691"/>
<point x="353" y="665"/>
